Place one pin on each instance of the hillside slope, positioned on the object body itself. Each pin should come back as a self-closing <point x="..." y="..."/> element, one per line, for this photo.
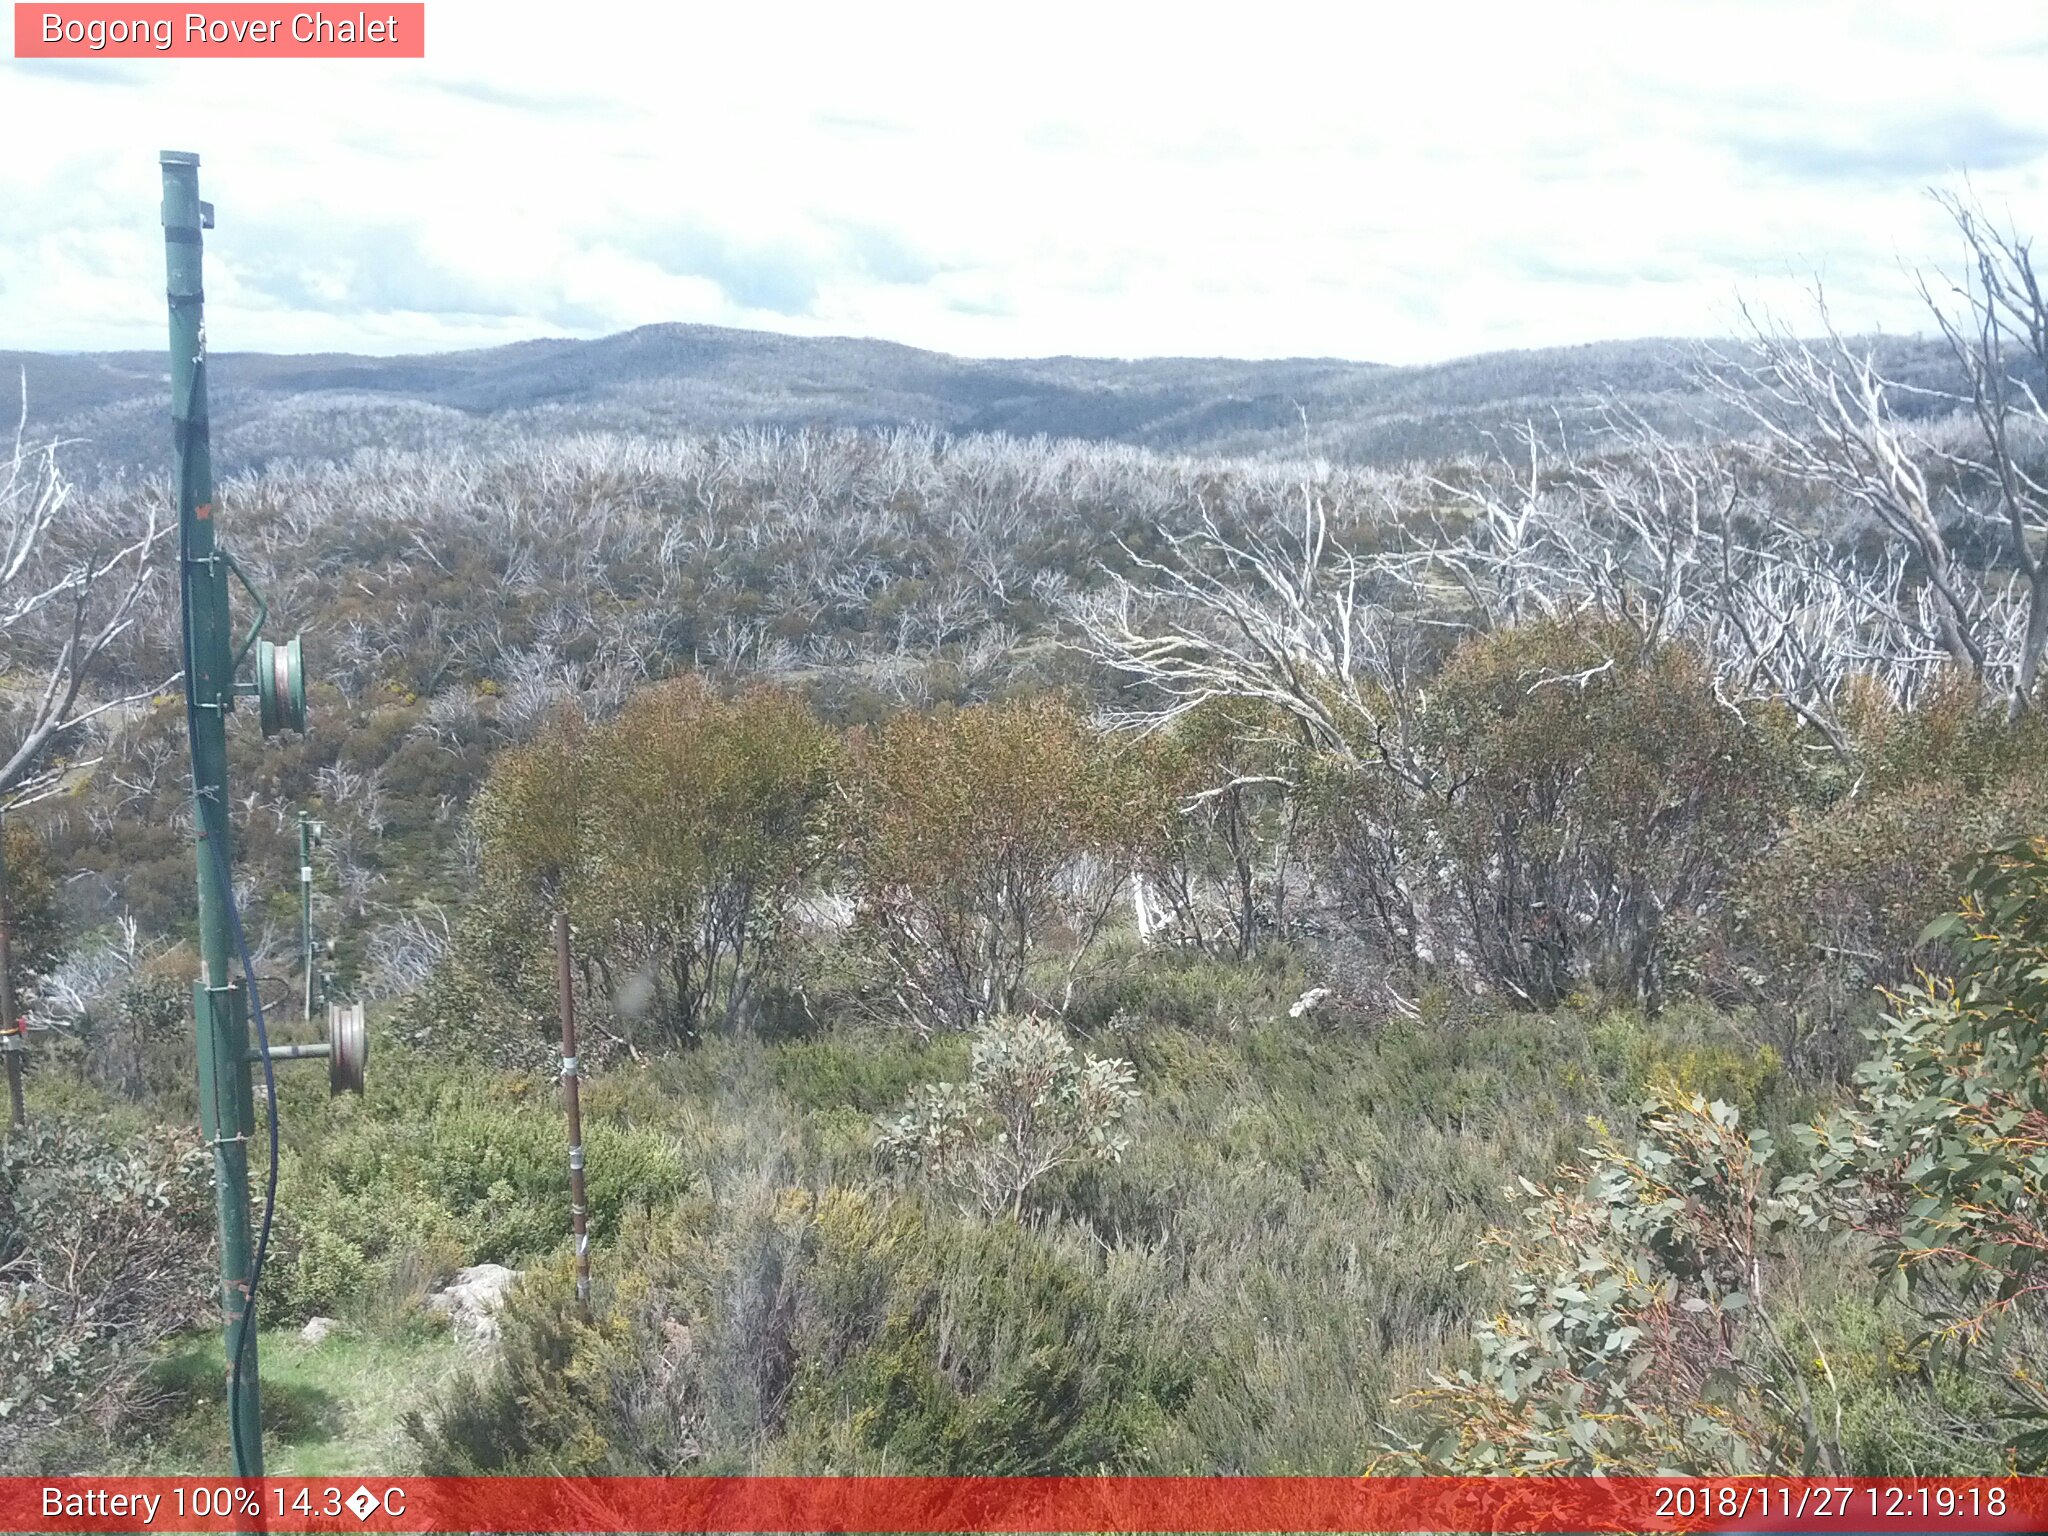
<point x="668" y="378"/>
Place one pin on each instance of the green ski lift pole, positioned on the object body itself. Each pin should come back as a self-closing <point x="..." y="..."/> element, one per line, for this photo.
<point x="227" y="1116"/>
<point x="212" y="656"/>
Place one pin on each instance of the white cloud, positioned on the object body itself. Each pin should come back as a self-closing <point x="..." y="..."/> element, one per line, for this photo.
<point x="1114" y="180"/>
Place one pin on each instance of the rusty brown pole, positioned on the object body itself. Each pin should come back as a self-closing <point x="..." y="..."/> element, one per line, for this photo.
<point x="16" y="1041"/>
<point x="578" y="1212"/>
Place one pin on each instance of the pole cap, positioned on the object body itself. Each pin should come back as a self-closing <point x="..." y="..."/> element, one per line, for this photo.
<point x="177" y="157"/>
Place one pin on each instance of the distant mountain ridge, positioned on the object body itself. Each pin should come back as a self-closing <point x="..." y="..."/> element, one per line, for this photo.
<point x="692" y="378"/>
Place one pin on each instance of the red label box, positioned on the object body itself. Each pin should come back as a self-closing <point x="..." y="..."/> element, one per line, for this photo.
<point x="959" y="1506"/>
<point x="231" y="31"/>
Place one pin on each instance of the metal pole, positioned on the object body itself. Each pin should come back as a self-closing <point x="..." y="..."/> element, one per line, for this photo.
<point x="226" y="1109"/>
<point x="13" y="1041"/>
<point x="570" y="1080"/>
<point x="306" y="906"/>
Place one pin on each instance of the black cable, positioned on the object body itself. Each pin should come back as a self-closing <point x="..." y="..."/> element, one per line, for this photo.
<point x="215" y="836"/>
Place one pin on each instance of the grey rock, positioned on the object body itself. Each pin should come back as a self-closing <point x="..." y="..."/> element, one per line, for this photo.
<point x="471" y="1303"/>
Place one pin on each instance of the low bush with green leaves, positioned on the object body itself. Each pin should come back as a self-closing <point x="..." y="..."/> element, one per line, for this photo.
<point x="105" y="1251"/>
<point x="376" y="1208"/>
<point x="1636" y="1338"/>
<point x="1030" y="1106"/>
<point x="1646" y="1330"/>
<point x="1942" y="1164"/>
<point x="804" y="1331"/>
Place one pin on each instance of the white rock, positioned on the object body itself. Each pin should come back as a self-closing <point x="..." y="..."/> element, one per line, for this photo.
<point x="1310" y="1000"/>
<point x="472" y="1302"/>
<point x="318" y="1328"/>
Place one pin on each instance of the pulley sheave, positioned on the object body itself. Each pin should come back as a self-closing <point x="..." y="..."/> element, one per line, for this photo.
<point x="281" y="686"/>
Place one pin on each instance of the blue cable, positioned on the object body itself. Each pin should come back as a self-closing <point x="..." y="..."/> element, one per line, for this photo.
<point x="270" y="1183"/>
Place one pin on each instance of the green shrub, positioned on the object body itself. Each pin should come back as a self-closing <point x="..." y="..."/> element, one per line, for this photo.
<point x="1228" y="861"/>
<point x="104" y="1246"/>
<point x="806" y="1333"/>
<point x="136" y="1041"/>
<point x="1834" y="913"/>
<point x="870" y="1072"/>
<point x="1574" y="798"/>
<point x="979" y="839"/>
<point x="327" y="1274"/>
<point x="676" y="833"/>
<point x="1028" y="1108"/>
<point x="35" y="926"/>
<point x="493" y="1001"/>
<point x="1713" y="1064"/>
<point x="1940" y="1167"/>
<point x="376" y="1208"/>
<point x="1187" y="989"/>
<point x="1012" y="1361"/>
<point x="1635" y="1340"/>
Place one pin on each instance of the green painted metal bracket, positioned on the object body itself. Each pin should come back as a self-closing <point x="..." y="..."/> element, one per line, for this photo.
<point x="262" y="608"/>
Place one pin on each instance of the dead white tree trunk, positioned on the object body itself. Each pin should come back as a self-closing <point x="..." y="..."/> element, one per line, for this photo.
<point x="1824" y="416"/>
<point x="2000" y="339"/>
<point x="71" y="577"/>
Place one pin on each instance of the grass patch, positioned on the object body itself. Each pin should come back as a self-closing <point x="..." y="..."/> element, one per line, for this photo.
<point x="329" y="1409"/>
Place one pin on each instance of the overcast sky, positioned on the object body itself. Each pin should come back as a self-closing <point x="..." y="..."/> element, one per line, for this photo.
<point x="1409" y="182"/>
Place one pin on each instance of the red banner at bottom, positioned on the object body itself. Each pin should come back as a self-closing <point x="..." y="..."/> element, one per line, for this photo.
<point x="1025" y="1504"/>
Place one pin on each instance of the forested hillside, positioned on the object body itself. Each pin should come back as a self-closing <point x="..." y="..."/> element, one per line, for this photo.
<point x="669" y="378"/>
<point x="1164" y="947"/>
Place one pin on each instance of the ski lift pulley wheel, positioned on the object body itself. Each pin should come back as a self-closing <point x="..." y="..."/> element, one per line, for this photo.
<point x="281" y="686"/>
<point x="348" y="1048"/>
